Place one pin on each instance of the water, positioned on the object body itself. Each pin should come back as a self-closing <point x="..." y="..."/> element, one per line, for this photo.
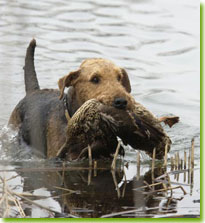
<point x="156" y="41"/>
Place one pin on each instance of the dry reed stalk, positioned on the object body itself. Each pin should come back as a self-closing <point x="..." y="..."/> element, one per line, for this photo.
<point x="150" y="185"/>
<point x="115" y="183"/>
<point x="18" y="205"/>
<point x="164" y="186"/>
<point x="184" y="177"/>
<point x="169" y="188"/>
<point x="66" y="189"/>
<point x="147" y="185"/>
<point x="7" y="197"/>
<point x="171" y="172"/>
<point x="169" y="183"/>
<point x="175" y="164"/>
<point x="181" y="164"/>
<point x="185" y="163"/>
<point x="113" y="165"/>
<point x="172" y="163"/>
<point x="191" y="189"/>
<point x="95" y="168"/>
<point x="125" y="183"/>
<point x="5" y="201"/>
<point x="34" y="196"/>
<point x="165" y="156"/>
<point x="63" y="173"/>
<point x="168" y="202"/>
<point x="192" y="176"/>
<point x="189" y="166"/>
<point x="90" y="156"/>
<point x="172" y="182"/>
<point x="189" y="160"/>
<point x="13" y="177"/>
<point x="138" y="165"/>
<point x="153" y="159"/>
<point x="192" y="153"/>
<point x="138" y="159"/>
<point x="192" y="162"/>
<point x="125" y="212"/>
<point x="153" y="164"/>
<point x="13" y="195"/>
<point x="185" y="160"/>
<point x="178" y="161"/>
<point x="123" y="189"/>
<point x="175" y="156"/>
<point x="89" y="176"/>
<point x="36" y="204"/>
<point x="2" y="198"/>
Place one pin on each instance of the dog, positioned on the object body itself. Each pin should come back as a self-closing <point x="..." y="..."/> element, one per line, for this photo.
<point x="41" y="118"/>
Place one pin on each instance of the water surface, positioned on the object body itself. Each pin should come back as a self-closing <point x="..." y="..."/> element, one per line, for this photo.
<point x="156" y="41"/>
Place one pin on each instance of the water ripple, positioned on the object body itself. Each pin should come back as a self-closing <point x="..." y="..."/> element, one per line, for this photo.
<point x="177" y="52"/>
<point x="145" y="37"/>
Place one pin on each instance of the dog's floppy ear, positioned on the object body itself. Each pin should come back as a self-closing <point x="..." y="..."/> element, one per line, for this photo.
<point x="67" y="81"/>
<point x="125" y="80"/>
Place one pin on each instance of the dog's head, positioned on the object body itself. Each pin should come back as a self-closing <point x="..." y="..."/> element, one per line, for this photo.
<point x="100" y="79"/>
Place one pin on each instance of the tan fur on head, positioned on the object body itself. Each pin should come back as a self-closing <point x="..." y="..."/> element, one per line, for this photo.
<point x="98" y="78"/>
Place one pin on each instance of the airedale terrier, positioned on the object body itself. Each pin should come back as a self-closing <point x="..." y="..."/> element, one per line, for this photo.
<point x="40" y="115"/>
<point x="42" y="119"/>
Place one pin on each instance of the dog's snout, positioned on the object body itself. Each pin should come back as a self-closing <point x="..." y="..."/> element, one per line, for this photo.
<point x="120" y="103"/>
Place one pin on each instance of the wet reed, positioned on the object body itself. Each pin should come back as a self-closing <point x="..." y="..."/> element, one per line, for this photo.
<point x="90" y="156"/>
<point x="178" y="165"/>
<point x="113" y="166"/>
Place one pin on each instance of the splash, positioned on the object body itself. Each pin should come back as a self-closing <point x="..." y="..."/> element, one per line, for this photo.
<point x="12" y="148"/>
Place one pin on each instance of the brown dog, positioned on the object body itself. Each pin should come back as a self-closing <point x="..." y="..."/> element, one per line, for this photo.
<point x="40" y="115"/>
<point x="42" y="119"/>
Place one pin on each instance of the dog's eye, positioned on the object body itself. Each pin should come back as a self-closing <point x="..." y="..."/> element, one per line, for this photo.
<point x="95" y="80"/>
<point x="118" y="77"/>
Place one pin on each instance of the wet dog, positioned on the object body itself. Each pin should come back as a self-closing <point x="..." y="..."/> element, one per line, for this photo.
<point x="44" y="117"/>
<point x="40" y="115"/>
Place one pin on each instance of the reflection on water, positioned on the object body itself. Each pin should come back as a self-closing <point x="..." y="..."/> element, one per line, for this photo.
<point x="156" y="41"/>
<point x="77" y="191"/>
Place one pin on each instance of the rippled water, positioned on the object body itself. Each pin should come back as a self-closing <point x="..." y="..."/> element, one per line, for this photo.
<point x="156" y="41"/>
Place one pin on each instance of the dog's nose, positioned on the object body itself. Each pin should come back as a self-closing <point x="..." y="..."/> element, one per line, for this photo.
<point x="120" y="103"/>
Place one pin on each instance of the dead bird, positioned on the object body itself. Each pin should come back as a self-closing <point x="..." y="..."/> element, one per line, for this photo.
<point x="98" y="125"/>
<point x="145" y="131"/>
<point x="90" y="126"/>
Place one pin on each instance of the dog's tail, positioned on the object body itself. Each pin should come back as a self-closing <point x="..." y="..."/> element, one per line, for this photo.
<point x="31" y="81"/>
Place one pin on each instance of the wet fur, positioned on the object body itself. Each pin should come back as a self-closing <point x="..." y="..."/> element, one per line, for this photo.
<point x="41" y="121"/>
<point x="40" y="115"/>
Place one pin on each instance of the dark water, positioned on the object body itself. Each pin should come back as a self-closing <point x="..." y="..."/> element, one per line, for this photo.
<point x="157" y="42"/>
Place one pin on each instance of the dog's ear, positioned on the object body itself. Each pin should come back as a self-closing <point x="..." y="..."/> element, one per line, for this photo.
<point x="125" y="80"/>
<point x="67" y="81"/>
